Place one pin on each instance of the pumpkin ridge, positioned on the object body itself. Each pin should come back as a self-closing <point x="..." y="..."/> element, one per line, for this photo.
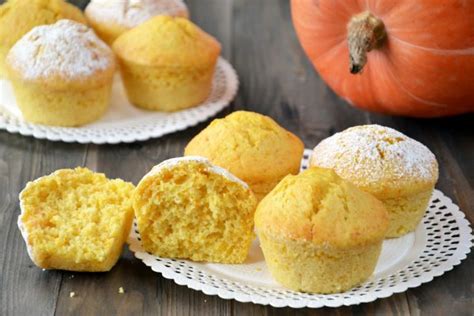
<point x="438" y="51"/>
<point x="411" y="95"/>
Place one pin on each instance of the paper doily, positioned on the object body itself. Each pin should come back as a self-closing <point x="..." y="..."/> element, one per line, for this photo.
<point x="440" y="242"/>
<point x="124" y="123"/>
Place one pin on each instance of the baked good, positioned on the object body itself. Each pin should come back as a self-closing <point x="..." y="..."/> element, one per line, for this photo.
<point x="396" y="169"/>
<point x="111" y="18"/>
<point x="61" y="74"/>
<point x="187" y="208"/>
<point x="18" y="17"/>
<point x="319" y="233"/>
<point x="75" y="219"/>
<point x="251" y="146"/>
<point x="167" y="64"/>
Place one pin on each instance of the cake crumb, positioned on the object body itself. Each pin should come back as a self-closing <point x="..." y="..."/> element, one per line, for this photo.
<point x="259" y="269"/>
<point x="121" y="290"/>
<point x="72" y="294"/>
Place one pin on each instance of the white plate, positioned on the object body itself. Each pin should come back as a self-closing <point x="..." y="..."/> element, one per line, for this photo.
<point x="440" y="242"/>
<point x="123" y="122"/>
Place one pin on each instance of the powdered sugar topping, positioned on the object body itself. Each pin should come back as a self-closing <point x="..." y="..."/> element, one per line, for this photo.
<point x="212" y="168"/>
<point x="131" y="13"/>
<point x="373" y="153"/>
<point x="67" y="49"/>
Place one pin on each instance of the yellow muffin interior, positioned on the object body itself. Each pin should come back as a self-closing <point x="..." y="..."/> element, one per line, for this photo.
<point x="75" y="219"/>
<point x="18" y="17"/>
<point x="319" y="233"/>
<point x="251" y="146"/>
<point x="188" y="211"/>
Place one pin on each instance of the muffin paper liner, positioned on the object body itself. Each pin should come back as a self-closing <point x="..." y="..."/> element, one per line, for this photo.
<point x="441" y="241"/>
<point x="123" y="122"/>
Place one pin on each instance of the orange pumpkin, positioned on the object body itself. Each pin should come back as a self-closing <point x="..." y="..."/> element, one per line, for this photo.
<point x="401" y="57"/>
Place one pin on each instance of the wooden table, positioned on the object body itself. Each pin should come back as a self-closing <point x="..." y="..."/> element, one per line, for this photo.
<point x="277" y="80"/>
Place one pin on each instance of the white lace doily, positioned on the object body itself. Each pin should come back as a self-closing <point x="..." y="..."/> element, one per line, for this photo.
<point x="440" y="242"/>
<point x="123" y="122"/>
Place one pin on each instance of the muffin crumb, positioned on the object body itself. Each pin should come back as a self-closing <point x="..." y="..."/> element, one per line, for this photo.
<point x="72" y="294"/>
<point x="121" y="290"/>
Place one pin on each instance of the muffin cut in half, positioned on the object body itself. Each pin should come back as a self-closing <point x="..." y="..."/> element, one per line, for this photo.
<point x="167" y="64"/>
<point x="111" y="18"/>
<point x="396" y="169"/>
<point x="75" y="219"/>
<point x="187" y="208"/>
<point x="252" y="146"/>
<point x="61" y="74"/>
<point x="319" y="233"/>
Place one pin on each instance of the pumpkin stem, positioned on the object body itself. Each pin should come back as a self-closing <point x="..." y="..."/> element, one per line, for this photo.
<point x="365" y="32"/>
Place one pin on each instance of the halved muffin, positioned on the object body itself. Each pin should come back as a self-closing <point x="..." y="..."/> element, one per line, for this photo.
<point x="187" y="208"/>
<point x="75" y="219"/>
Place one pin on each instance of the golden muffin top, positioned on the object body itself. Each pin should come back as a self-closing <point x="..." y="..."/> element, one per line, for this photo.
<point x="379" y="160"/>
<point x="18" y="17"/>
<point x="318" y="206"/>
<point x="131" y="13"/>
<point x="168" y="41"/>
<point x="250" y="145"/>
<point x="60" y="55"/>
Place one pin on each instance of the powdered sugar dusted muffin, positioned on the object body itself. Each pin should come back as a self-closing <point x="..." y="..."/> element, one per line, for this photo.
<point x="111" y="18"/>
<point x="61" y="74"/>
<point x="396" y="169"/>
<point x="18" y="17"/>
<point x="188" y="208"/>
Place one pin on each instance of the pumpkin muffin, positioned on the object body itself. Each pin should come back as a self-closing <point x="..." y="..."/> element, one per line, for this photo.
<point x="187" y="208"/>
<point x="167" y="63"/>
<point x="111" y="18"/>
<point x="251" y="146"/>
<point x="75" y="219"/>
<point x="319" y="233"/>
<point x="396" y="169"/>
<point x="61" y="74"/>
<point x="18" y="17"/>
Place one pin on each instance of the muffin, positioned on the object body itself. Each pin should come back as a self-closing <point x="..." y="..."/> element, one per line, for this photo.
<point x="251" y="146"/>
<point x="187" y="208"/>
<point x="111" y="18"/>
<point x="61" y="74"/>
<point x="167" y="63"/>
<point x="396" y="169"/>
<point x="319" y="233"/>
<point x="18" y="17"/>
<point x="75" y="219"/>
